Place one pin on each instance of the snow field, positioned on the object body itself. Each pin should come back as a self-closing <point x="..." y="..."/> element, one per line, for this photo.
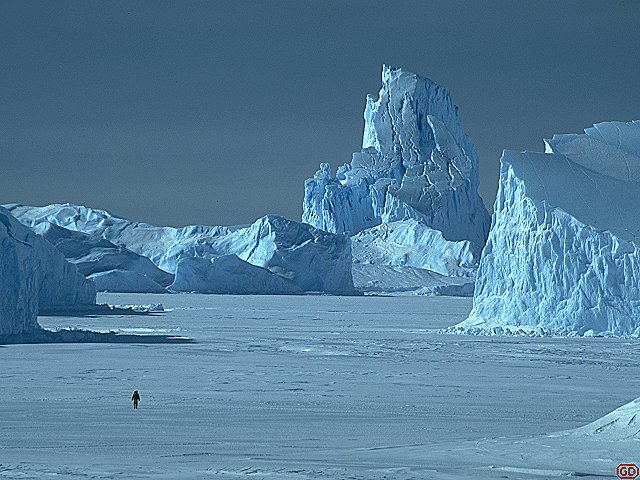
<point x="309" y="387"/>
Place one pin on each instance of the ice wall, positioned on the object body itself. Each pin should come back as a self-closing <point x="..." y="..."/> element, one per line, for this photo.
<point x="416" y="163"/>
<point x="34" y="274"/>
<point x="563" y="252"/>
<point x="18" y="284"/>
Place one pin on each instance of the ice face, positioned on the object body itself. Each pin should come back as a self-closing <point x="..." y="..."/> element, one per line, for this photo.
<point x="416" y="163"/>
<point x="19" y="297"/>
<point x="563" y="251"/>
<point x="33" y="274"/>
<point x="313" y="260"/>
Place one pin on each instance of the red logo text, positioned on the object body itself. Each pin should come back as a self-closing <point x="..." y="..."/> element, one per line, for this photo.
<point x="627" y="471"/>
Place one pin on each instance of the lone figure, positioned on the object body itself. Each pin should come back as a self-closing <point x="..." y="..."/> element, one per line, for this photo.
<point x="135" y="398"/>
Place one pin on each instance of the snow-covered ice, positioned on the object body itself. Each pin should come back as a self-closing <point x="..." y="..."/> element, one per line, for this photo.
<point x="311" y="259"/>
<point x="407" y="257"/>
<point x="564" y="248"/>
<point x="312" y="387"/>
<point x="411" y="243"/>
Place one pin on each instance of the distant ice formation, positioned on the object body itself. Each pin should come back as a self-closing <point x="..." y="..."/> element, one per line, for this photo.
<point x="306" y="257"/>
<point x="409" y="198"/>
<point x="563" y="254"/>
<point x="33" y="274"/>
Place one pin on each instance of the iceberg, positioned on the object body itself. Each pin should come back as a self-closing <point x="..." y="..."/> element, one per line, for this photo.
<point x="416" y="163"/>
<point x="228" y="274"/>
<point x="563" y="253"/>
<point x="409" y="199"/>
<point x="309" y="258"/>
<point x="33" y="275"/>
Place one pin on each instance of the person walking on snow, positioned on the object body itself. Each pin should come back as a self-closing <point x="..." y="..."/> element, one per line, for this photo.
<point x="135" y="398"/>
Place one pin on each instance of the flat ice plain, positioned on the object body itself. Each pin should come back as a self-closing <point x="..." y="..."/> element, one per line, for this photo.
<point x="310" y="387"/>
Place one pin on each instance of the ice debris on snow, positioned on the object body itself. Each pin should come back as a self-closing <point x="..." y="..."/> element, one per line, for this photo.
<point x="563" y="254"/>
<point x="303" y="256"/>
<point x="34" y="275"/>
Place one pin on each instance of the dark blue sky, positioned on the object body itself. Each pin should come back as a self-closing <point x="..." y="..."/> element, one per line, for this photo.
<point x="215" y="112"/>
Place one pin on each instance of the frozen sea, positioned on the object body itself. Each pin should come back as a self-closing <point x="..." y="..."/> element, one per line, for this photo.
<point x="309" y="387"/>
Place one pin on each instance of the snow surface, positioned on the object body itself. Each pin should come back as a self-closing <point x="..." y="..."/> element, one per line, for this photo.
<point x="34" y="274"/>
<point x="416" y="163"/>
<point x="320" y="387"/>
<point x="563" y="252"/>
<point x="310" y="258"/>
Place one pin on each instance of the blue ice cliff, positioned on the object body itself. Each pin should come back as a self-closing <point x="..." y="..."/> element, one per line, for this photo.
<point x="34" y="275"/>
<point x="563" y="253"/>
<point x="418" y="173"/>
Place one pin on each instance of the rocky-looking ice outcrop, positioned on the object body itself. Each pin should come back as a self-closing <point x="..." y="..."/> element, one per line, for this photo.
<point x="311" y="259"/>
<point x="33" y="274"/>
<point x="416" y="163"/>
<point x="563" y="253"/>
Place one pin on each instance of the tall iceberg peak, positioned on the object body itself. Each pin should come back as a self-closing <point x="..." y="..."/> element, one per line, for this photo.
<point x="563" y="253"/>
<point x="416" y="163"/>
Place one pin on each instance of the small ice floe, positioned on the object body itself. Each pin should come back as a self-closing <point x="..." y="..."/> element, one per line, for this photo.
<point x="148" y="308"/>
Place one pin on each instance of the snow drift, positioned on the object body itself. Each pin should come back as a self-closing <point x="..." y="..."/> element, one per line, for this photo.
<point x="309" y="258"/>
<point x="33" y="274"/>
<point x="563" y="252"/>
